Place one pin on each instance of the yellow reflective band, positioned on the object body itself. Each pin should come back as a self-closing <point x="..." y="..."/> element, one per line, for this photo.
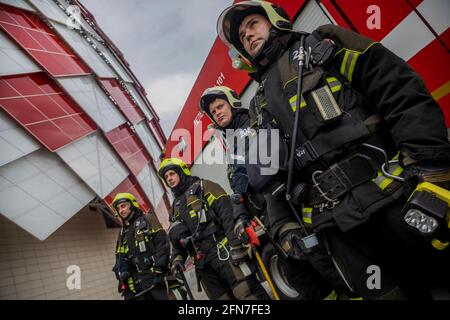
<point x="223" y="242"/>
<point x="156" y="230"/>
<point x="192" y="202"/>
<point x="336" y="88"/>
<point x="293" y="103"/>
<point x="331" y="79"/>
<point x="388" y="181"/>
<point x="331" y="296"/>
<point x="352" y="66"/>
<point x="211" y="198"/>
<point x="335" y="84"/>
<point x="146" y="239"/>
<point x="122" y="249"/>
<point x="192" y="213"/>
<point x="348" y="64"/>
<point x="383" y="182"/>
<point x="344" y="62"/>
<point x="307" y="215"/>
<point x="438" y="244"/>
<point x="360" y="298"/>
<point x="131" y="284"/>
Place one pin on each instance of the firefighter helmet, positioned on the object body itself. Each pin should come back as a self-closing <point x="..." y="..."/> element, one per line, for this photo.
<point x="124" y="197"/>
<point x="222" y="92"/>
<point x="231" y="18"/>
<point x="172" y="164"/>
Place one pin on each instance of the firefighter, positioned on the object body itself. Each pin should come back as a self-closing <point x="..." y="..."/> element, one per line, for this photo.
<point x="365" y="119"/>
<point x="223" y="106"/>
<point x="142" y="254"/>
<point x="202" y="227"/>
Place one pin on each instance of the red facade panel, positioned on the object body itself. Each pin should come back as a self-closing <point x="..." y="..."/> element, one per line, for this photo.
<point x="38" y="104"/>
<point x="129" y="148"/>
<point x="126" y="105"/>
<point x="40" y="42"/>
<point x="130" y="185"/>
<point x="391" y="14"/>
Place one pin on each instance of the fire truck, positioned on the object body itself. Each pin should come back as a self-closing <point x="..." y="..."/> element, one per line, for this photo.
<point x="416" y="30"/>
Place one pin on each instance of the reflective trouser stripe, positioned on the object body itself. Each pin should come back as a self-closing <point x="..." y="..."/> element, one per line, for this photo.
<point x="331" y="296"/>
<point x="131" y="284"/>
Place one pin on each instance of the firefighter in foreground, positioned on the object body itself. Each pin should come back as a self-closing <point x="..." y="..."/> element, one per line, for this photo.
<point x="142" y="254"/>
<point x="202" y="227"/>
<point x="361" y="130"/>
<point x="224" y="108"/>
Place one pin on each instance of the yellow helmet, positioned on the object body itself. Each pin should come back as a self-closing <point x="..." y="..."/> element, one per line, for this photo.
<point x="218" y="92"/>
<point x="122" y="197"/>
<point x="231" y="18"/>
<point x="172" y="164"/>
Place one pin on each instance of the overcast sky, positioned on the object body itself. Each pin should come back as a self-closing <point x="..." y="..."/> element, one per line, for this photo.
<point x="165" y="43"/>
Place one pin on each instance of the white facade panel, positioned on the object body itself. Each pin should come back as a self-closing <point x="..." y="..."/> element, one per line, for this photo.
<point x="41" y="222"/>
<point x="437" y="14"/>
<point x="93" y="101"/>
<point x="311" y="18"/>
<point x="39" y="193"/>
<point x="149" y="141"/>
<point x="139" y="100"/>
<point x="13" y="60"/>
<point x="399" y="39"/>
<point x="95" y="163"/>
<point x="22" y="4"/>
<point x="112" y="59"/>
<point x="151" y="186"/>
<point x="50" y="10"/>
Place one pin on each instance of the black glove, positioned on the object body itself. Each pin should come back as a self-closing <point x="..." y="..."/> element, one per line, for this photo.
<point x="239" y="229"/>
<point x="177" y="265"/>
<point x="433" y="173"/>
<point x="238" y="254"/>
<point x="290" y="242"/>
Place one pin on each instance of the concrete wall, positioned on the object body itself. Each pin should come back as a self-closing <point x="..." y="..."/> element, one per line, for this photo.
<point x="33" y="269"/>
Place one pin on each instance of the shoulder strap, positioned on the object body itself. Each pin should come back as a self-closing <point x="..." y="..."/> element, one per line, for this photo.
<point x="153" y="222"/>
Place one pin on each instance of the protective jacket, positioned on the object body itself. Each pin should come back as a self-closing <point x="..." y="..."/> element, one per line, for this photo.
<point x="362" y="98"/>
<point x="142" y="248"/>
<point x="203" y="216"/>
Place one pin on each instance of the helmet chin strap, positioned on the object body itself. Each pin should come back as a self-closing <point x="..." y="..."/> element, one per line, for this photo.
<point x="127" y="219"/>
<point x="261" y="58"/>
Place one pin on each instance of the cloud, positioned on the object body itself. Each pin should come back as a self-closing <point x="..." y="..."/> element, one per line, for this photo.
<point x="167" y="95"/>
<point x="165" y="43"/>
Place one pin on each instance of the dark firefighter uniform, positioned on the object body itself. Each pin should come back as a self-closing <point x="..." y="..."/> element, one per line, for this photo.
<point x="246" y="203"/>
<point x="360" y="104"/>
<point x="202" y="227"/>
<point x="300" y="273"/>
<point x="142" y="253"/>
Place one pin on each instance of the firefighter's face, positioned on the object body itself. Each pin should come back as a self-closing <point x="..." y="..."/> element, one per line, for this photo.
<point x="124" y="209"/>
<point x="220" y="110"/>
<point x="172" y="178"/>
<point x="254" y="31"/>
